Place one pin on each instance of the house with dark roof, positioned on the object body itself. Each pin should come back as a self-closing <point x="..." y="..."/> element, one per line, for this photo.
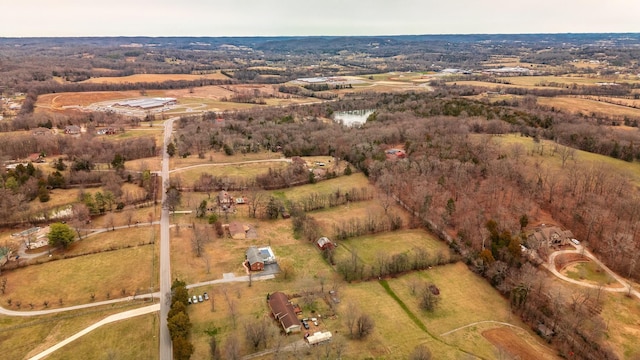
<point x="551" y="236"/>
<point x="284" y="312"/>
<point x="254" y="261"/>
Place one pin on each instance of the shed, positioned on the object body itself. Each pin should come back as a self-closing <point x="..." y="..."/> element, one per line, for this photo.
<point x="283" y="312"/>
<point x="319" y="337"/>
<point x="324" y="243"/>
<point x="254" y="259"/>
<point x="237" y="231"/>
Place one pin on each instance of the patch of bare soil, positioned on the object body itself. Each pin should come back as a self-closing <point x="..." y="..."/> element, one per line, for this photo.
<point x="507" y="341"/>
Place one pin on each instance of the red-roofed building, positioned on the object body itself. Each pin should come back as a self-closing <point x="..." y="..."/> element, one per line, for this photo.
<point x="284" y="312"/>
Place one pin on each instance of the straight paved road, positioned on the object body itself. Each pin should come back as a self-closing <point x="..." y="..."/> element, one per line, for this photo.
<point x="166" y="351"/>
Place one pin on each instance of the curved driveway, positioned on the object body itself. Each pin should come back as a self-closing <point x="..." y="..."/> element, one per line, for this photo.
<point x="551" y="266"/>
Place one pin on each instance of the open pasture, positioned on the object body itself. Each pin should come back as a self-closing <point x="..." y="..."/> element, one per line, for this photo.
<point x="152" y="78"/>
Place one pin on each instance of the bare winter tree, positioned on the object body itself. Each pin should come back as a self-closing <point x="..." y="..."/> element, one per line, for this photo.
<point x="199" y="238"/>
<point x="364" y="326"/>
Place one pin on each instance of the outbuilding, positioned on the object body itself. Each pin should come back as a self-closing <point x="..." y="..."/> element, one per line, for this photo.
<point x="325" y="244"/>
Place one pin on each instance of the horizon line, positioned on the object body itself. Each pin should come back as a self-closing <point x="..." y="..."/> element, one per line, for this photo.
<point x="311" y="36"/>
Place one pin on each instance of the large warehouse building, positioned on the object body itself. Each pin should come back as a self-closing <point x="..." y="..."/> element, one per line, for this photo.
<point x="147" y="103"/>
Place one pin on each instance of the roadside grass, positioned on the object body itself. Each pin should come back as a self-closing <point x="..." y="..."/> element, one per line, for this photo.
<point x="588" y="107"/>
<point x="135" y="338"/>
<point x="247" y="171"/>
<point x="369" y="247"/>
<point x="588" y="271"/>
<point x="153" y="164"/>
<point x="143" y="131"/>
<point x="120" y="218"/>
<point x="74" y="280"/>
<point x="23" y="337"/>
<point x="532" y="153"/>
<point x="118" y="239"/>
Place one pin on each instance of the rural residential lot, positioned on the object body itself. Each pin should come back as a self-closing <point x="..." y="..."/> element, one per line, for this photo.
<point x="474" y="206"/>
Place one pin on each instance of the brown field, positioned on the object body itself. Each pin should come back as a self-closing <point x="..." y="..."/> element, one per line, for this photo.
<point x="588" y="107"/>
<point x="506" y="341"/>
<point x="490" y="85"/>
<point x="57" y="101"/>
<point x="139" y="78"/>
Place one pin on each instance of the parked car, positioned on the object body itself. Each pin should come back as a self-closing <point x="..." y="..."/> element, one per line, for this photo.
<point x="190" y="302"/>
<point x="315" y="321"/>
<point x="200" y="298"/>
<point x="575" y="241"/>
<point x="195" y="299"/>
<point x="206" y="296"/>
<point x="305" y="324"/>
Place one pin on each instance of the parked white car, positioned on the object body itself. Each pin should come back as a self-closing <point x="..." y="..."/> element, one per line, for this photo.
<point x="575" y="241"/>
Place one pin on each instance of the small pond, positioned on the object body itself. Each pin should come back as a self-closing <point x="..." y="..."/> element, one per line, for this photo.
<point x="353" y="117"/>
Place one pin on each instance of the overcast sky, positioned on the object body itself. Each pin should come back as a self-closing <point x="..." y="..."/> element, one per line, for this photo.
<point x="320" y="17"/>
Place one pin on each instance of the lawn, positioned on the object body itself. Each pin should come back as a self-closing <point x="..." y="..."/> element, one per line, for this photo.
<point x="118" y="239"/>
<point x="370" y="247"/>
<point x="588" y="271"/>
<point x="219" y="157"/>
<point x="72" y="281"/>
<point x="342" y="183"/>
<point x="246" y="171"/>
<point x="22" y="337"/>
<point x="135" y="338"/>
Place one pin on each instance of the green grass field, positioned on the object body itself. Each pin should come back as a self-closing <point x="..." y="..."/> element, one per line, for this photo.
<point x="23" y="337"/>
<point x="370" y="247"/>
<point x="74" y="280"/>
<point x="343" y="183"/>
<point x="135" y="338"/>
<point x="617" y="166"/>
<point x="590" y="272"/>
<point x="245" y="171"/>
